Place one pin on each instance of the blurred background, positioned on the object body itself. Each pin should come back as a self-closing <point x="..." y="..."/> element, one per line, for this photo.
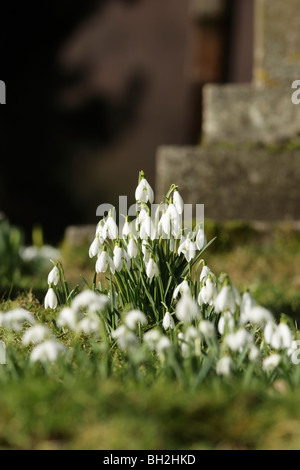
<point x="94" y="87"/>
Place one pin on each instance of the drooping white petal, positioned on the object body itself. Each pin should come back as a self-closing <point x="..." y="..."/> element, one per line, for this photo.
<point x="53" y="276"/>
<point x="178" y="202"/>
<point x="50" y="299"/>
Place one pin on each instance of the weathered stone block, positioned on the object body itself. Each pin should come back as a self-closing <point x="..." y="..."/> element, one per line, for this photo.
<point x="245" y="113"/>
<point x="237" y="182"/>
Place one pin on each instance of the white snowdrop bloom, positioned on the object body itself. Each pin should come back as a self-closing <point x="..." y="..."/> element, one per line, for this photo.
<point x="144" y="192"/>
<point x="50" y="299"/>
<point x="48" y="351"/>
<point x="204" y="272"/>
<point x="15" y="319"/>
<point x="53" y="276"/>
<point x="119" y="257"/>
<point x="183" y="289"/>
<point x="187" y="309"/>
<point x="125" y="337"/>
<point x="239" y="340"/>
<point x="152" y="269"/>
<point x="133" y="318"/>
<point x="224" y="366"/>
<point x="236" y="295"/>
<point x="127" y="229"/>
<point x="271" y="362"/>
<point x="104" y="263"/>
<point x="147" y="229"/>
<point x="168" y="321"/>
<point x="225" y="300"/>
<point x="132" y="248"/>
<point x="89" y="301"/>
<point x="110" y="229"/>
<point x="164" y="226"/>
<point x="163" y="345"/>
<point x="207" y="329"/>
<point x="279" y="337"/>
<point x="254" y="353"/>
<point x="36" y="334"/>
<point x="191" y="334"/>
<point x="208" y="292"/>
<point x="89" y="324"/>
<point x="140" y="218"/>
<point x="175" y="221"/>
<point x="247" y="303"/>
<point x="201" y="239"/>
<point x="226" y="322"/>
<point x="188" y="248"/>
<point x="151" y="338"/>
<point x="68" y="317"/>
<point x="95" y="247"/>
<point x="295" y="346"/>
<point x="260" y="315"/>
<point x="178" y="201"/>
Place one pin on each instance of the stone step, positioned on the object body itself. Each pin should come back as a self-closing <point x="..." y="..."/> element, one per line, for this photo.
<point x="247" y="113"/>
<point x="246" y="182"/>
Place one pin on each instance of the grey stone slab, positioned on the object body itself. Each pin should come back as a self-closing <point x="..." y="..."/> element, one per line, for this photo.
<point x="235" y="182"/>
<point x="245" y="113"/>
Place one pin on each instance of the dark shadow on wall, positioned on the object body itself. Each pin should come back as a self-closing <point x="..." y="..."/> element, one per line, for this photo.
<point x="39" y="134"/>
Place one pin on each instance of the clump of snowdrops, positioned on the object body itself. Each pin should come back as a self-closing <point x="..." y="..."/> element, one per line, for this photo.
<point x="163" y="305"/>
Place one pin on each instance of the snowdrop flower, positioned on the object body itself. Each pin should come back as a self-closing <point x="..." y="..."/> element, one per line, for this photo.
<point x="48" y="351"/>
<point x="151" y="338"/>
<point x="208" y="292"/>
<point x="225" y="300"/>
<point x="125" y="338"/>
<point x="89" y="324"/>
<point x="271" y="362"/>
<point x="174" y="225"/>
<point x="247" y="303"/>
<point x="95" y="247"/>
<point x="204" y="272"/>
<point x="110" y="229"/>
<point x="144" y="192"/>
<point x="224" y="366"/>
<point x="254" y="353"/>
<point x="132" y="248"/>
<point x="67" y="317"/>
<point x="89" y="301"/>
<point x="226" y="321"/>
<point x="147" y="228"/>
<point x="163" y="345"/>
<point x="168" y="321"/>
<point x="187" y="309"/>
<point x="127" y="228"/>
<point x="191" y="334"/>
<point x="259" y="315"/>
<point x="207" y="329"/>
<point x="104" y="263"/>
<point x="279" y="337"/>
<point x="133" y="318"/>
<point x="15" y="319"/>
<point x="119" y="258"/>
<point x="239" y="340"/>
<point x="36" y="334"/>
<point x="183" y="289"/>
<point x="188" y="248"/>
<point x="152" y="269"/>
<point x="53" y="276"/>
<point x="50" y="299"/>
<point x="178" y="201"/>
<point x="293" y="351"/>
<point x="201" y="239"/>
